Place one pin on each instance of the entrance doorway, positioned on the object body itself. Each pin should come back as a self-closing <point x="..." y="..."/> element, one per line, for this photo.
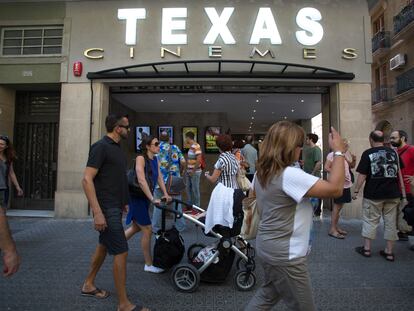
<point x="238" y="109"/>
<point x="36" y="143"/>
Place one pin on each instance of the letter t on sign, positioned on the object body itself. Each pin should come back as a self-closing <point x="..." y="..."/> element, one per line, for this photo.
<point x="131" y="16"/>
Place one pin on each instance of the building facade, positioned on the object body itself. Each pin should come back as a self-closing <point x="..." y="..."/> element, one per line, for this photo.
<point x="392" y="25"/>
<point x="64" y="65"/>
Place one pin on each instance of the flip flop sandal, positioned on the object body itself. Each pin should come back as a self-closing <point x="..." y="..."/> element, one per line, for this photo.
<point x="388" y="257"/>
<point x="342" y="232"/>
<point x="362" y="251"/>
<point x="337" y="236"/>
<point x="95" y="293"/>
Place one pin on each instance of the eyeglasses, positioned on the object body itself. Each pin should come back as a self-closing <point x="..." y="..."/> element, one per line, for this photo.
<point x="156" y="144"/>
<point x="127" y="127"/>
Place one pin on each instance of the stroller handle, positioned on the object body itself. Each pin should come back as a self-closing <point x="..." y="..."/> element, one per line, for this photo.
<point x="163" y="206"/>
<point x="188" y="205"/>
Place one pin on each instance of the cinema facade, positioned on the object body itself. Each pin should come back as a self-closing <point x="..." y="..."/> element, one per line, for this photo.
<point x="232" y="65"/>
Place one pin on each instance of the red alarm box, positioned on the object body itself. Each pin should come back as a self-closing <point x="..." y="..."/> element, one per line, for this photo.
<point x="77" y="69"/>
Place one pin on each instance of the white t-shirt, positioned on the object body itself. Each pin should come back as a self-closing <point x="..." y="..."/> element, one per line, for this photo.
<point x="285" y="217"/>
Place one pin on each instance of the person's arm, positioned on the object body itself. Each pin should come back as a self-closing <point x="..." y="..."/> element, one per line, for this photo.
<point x="183" y="166"/>
<point x="351" y="159"/>
<point x="14" y="181"/>
<point x="11" y="260"/>
<point x="90" y="192"/>
<point x="359" y="183"/>
<point x="328" y="165"/>
<point x="332" y="187"/>
<point x="213" y="177"/>
<point x="162" y="184"/>
<point x="317" y="167"/>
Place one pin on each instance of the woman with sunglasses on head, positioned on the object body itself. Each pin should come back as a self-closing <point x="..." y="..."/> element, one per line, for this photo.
<point x="148" y="173"/>
<point x="7" y="156"/>
<point x="283" y="195"/>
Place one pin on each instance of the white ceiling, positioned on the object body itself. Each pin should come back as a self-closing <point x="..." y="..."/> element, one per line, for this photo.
<point x="239" y="107"/>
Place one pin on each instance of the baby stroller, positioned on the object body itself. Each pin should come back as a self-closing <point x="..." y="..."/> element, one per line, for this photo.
<point x="214" y="262"/>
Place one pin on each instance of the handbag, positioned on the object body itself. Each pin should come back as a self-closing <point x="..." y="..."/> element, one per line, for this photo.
<point x="175" y="184"/>
<point x="402" y="224"/>
<point x="251" y="219"/>
<point x="133" y="184"/>
<point x="242" y="180"/>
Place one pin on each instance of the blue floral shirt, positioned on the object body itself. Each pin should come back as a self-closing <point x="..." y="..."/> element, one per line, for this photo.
<point x="163" y="159"/>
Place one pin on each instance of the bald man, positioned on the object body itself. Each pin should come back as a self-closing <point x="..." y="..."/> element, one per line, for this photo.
<point x="378" y="170"/>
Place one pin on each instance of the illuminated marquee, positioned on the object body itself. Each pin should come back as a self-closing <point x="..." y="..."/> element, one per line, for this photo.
<point x="173" y="31"/>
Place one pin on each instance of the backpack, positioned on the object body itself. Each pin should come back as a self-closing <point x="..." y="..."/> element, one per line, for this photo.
<point x="168" y="249"/>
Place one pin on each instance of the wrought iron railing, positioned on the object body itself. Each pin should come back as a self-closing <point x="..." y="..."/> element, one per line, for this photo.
<point x="381" y="40"/>
<point x="405" y="17"/>
<point x="405" y="81"/>
<point x="382" y="94"/>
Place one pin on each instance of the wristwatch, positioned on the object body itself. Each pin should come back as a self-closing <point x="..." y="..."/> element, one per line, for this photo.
<point x="339" y="154"/>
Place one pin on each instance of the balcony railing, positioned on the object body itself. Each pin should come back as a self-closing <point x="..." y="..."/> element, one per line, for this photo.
<point x="405" y="81"/>
<point x="405" y="17"/>
<point x="381" y="40"/>
<point x="382" y="94"/>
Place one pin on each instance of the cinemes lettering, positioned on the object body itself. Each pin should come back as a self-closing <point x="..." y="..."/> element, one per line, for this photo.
<point x="174" y="25"/>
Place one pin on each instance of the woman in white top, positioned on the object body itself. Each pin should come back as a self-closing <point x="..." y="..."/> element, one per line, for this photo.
<point x="282" y="195"/>
<point x="335" y="231"/>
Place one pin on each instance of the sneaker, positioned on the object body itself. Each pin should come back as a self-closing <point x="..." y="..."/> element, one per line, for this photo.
<point x="153" y="269"/>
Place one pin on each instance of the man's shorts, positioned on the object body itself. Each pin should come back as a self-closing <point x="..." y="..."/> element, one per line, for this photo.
<point x="113" y="238"/>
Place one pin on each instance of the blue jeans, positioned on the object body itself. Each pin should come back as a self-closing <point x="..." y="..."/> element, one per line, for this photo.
<point x="157" y="214"/>
<point x="192" y="185"/>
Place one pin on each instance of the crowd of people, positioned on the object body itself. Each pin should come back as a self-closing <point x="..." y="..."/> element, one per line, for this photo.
<point x="285" y="176"/>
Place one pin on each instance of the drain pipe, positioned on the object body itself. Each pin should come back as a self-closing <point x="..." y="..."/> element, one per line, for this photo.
<point x="91" y="116"/>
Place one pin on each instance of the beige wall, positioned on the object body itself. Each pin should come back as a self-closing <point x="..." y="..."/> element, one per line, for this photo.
<point x="7" y="107"/>
<point x="74" y="133"/>
<point x="352" y="105"/>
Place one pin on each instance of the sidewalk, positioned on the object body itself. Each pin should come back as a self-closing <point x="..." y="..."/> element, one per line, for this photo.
<point x="56" y="256"/>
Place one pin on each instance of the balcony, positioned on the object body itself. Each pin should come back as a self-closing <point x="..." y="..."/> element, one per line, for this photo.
<point x="404" y="22"/>
<point x="405" y="82"/>
<point x="381" y="44"/>
<point x="383" y="94"/>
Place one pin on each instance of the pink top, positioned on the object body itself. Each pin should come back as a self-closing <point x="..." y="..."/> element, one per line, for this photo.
<point x="348" y="181"/>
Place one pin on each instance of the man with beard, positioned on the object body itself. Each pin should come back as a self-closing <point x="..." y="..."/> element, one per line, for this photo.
<point x="399" y="139"/>
<point x="106" y="188"/>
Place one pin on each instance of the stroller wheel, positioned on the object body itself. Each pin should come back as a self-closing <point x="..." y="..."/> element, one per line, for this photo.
<point x="193" y="251"/>
<point x="185" y="278"/>
<point x="244" y="281"/>
<point x="241" y="264"/>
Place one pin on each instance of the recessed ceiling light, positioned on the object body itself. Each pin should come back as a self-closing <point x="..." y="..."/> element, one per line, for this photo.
<point x="257" y="100"/>
<point x="285" y="118"/>
<point x="273" y="112"/>
<point x="162" y="100"/>
<point x="252" y="118"/>
<point x="207" y="100"/>
<point x="254" y="110"/>
<point x="293" y="110"/>
<point x="302" y="100"/>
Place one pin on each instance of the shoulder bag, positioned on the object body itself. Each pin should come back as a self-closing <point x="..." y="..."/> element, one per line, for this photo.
<point x="251" y="218"/>
<point x="242" y="180"/>
<point x="133" y="184"/>
<point x="175" y="184"/>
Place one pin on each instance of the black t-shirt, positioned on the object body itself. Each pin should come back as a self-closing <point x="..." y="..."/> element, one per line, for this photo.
<point x="380" y="165"/>
<point x="110" y="182"/>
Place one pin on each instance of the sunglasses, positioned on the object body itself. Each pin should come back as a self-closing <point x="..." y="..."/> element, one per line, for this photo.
<point x="156" y="144"/>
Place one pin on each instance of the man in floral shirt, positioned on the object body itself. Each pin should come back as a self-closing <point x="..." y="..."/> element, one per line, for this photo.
<point x="176" y="166"/>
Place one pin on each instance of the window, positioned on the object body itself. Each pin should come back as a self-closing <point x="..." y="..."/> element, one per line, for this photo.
<point x="29" y="41"/>
<point x="379" y="24"/>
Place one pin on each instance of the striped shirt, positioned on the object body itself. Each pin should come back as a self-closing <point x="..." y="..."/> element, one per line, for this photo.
<point x="193" y="152"/>
<point x="229" y="166"/>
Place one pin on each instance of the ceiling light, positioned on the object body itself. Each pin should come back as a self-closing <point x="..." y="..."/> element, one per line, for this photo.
<point x="293" y="110"/>
<point x="302" y="100"/>
<point x="285" y="118"/>
<point x="162" y="100"/>
<point x="254" y="110"/>
<point x="252" y="118"/>
<point x="273" y="112"/>
<point x="207" y="100"/>
<point x="257" y="100"/>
